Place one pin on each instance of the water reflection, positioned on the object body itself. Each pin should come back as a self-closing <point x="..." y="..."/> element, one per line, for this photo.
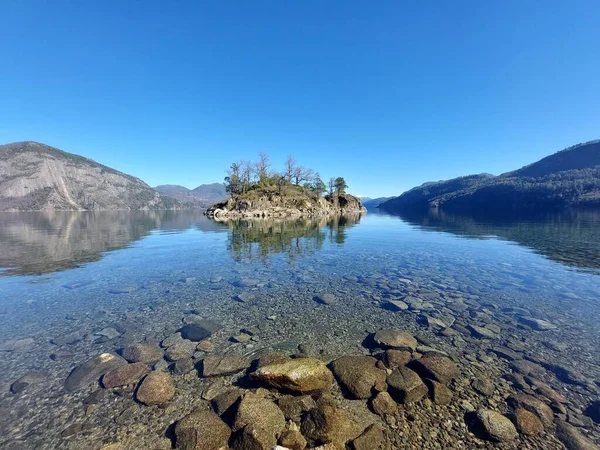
<point x="571" y="237"/>
<point x="252" y="240"/>
<point x="43" y="242"/>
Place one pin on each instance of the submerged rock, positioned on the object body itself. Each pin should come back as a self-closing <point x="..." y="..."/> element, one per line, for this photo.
<point x="91" y="370"/>
<point x="143" y="352"/>
<point x="537" y="324"/>
<point x="125" y="375"/>
<point x="260" y="413"/>
<point x="303" y="375"/>
<point x="496" y="426"/>
<point x="405" y="385"/>
<point x="358" y="374"/>
<point x="533" y="405"/>
<point x="527" y="422"/>
<point x="202" y="430"/>
<point x="30" y="378"/>
<point x="390" y="338"/>
<point x="438" y="368"/>
<point x="214" y="366"/>
<point x="157" y="388"/>
<point x="572" y="439"/>
<point x="325" y="299"/>
<point x="199" y="330"/>
<point x="370" y="439"/>
<point x="329" y="424"/>
<point x="383" y="404"/>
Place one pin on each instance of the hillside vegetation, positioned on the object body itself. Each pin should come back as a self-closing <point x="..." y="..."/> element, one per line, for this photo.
<point x="568" y="178"/>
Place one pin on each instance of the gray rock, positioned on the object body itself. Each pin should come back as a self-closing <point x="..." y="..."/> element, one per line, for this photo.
<point x="143" y="352"/>
<point x="325" y="299"/>
<point x="537" y="324"/>
<point x="199" y="330"/>
<point x="214" y="366"/>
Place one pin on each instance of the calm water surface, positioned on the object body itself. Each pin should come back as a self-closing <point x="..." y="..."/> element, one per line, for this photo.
<point x="82" y="272"/>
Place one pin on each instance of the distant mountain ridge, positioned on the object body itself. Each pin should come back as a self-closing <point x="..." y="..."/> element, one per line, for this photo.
<point x="373" y="203"/>
<point x="202" y="196"/>
<point x="570" y="177"/>
<point x="36" y="177"/>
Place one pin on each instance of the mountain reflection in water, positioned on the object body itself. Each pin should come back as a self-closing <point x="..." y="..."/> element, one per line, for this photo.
<point x="253" y="240"/>
<point x="569" y="237"/>
<point x="37" y="243"/>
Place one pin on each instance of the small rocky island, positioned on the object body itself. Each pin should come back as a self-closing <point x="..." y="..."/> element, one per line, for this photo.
<point x="258" y="192"/>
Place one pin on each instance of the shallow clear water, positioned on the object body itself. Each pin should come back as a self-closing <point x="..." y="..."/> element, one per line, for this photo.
<point x="85" y="271"/>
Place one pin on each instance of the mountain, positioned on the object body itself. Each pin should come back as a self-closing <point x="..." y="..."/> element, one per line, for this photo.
<point x="373" y="203"/>
<point x="35" y="176"/>
<point x="202" y="196"/>
<point x="567" y="178"/>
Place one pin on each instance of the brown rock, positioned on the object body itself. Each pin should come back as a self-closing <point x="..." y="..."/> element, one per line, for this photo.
<point x="358" y="374"/>
<point x="222" y="402"/>
<point x="439" y="393"/>
<point x="303" y="375"/>
<point x="370" y="439"/>
<point x="396" y="358"/>
<point x="405" y="386"/>
<point x="214" y="366"/>
<point x="253" y="438"/>
<point x="533" y="405"/>
<point x="390" y="338"/>
<point x="293" y="440"/>
<point x="157" y="388"/>
<point x="180" y="350"/>
<point x="496" y="426"/>
<point x="261" y="413"/>
<point x="201" y="430"/>
<point x="438" y="368"/>
<point x="293" y="407"/>
<point x="125" y="375"/>
<point x="383" y="404"/>
<point x="328" y="424"/>
<point x="143" y="352"/>
<point x="527" y="422"/>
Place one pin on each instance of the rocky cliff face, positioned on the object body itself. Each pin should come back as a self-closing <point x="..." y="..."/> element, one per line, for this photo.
<point x="270" y="204"/>
<point x="37" y="177"/>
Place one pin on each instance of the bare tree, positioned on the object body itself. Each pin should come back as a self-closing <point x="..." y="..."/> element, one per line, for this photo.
<point x="290" y="168"/>
<point x="262" y="166"/>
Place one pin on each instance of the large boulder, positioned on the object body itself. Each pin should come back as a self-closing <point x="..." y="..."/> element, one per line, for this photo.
<point x="405" y="385"/>
<point x="303" y="375"/>
<point x="358" y="375"/>
<point x="90" y="371"/>
<point x="201" y="430"/>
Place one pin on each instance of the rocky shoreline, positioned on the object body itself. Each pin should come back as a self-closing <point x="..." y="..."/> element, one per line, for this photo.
<point x="382" y="361"/>
<point x="274" y="206"/>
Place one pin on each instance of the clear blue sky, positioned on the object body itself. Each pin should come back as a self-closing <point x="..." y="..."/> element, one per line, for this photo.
<point x="389" y="94"/>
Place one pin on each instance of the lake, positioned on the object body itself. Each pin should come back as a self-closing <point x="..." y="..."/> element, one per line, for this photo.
<point x="513" y="302"/>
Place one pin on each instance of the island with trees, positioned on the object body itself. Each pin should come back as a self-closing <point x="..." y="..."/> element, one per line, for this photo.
<point x="258" y="191"/>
